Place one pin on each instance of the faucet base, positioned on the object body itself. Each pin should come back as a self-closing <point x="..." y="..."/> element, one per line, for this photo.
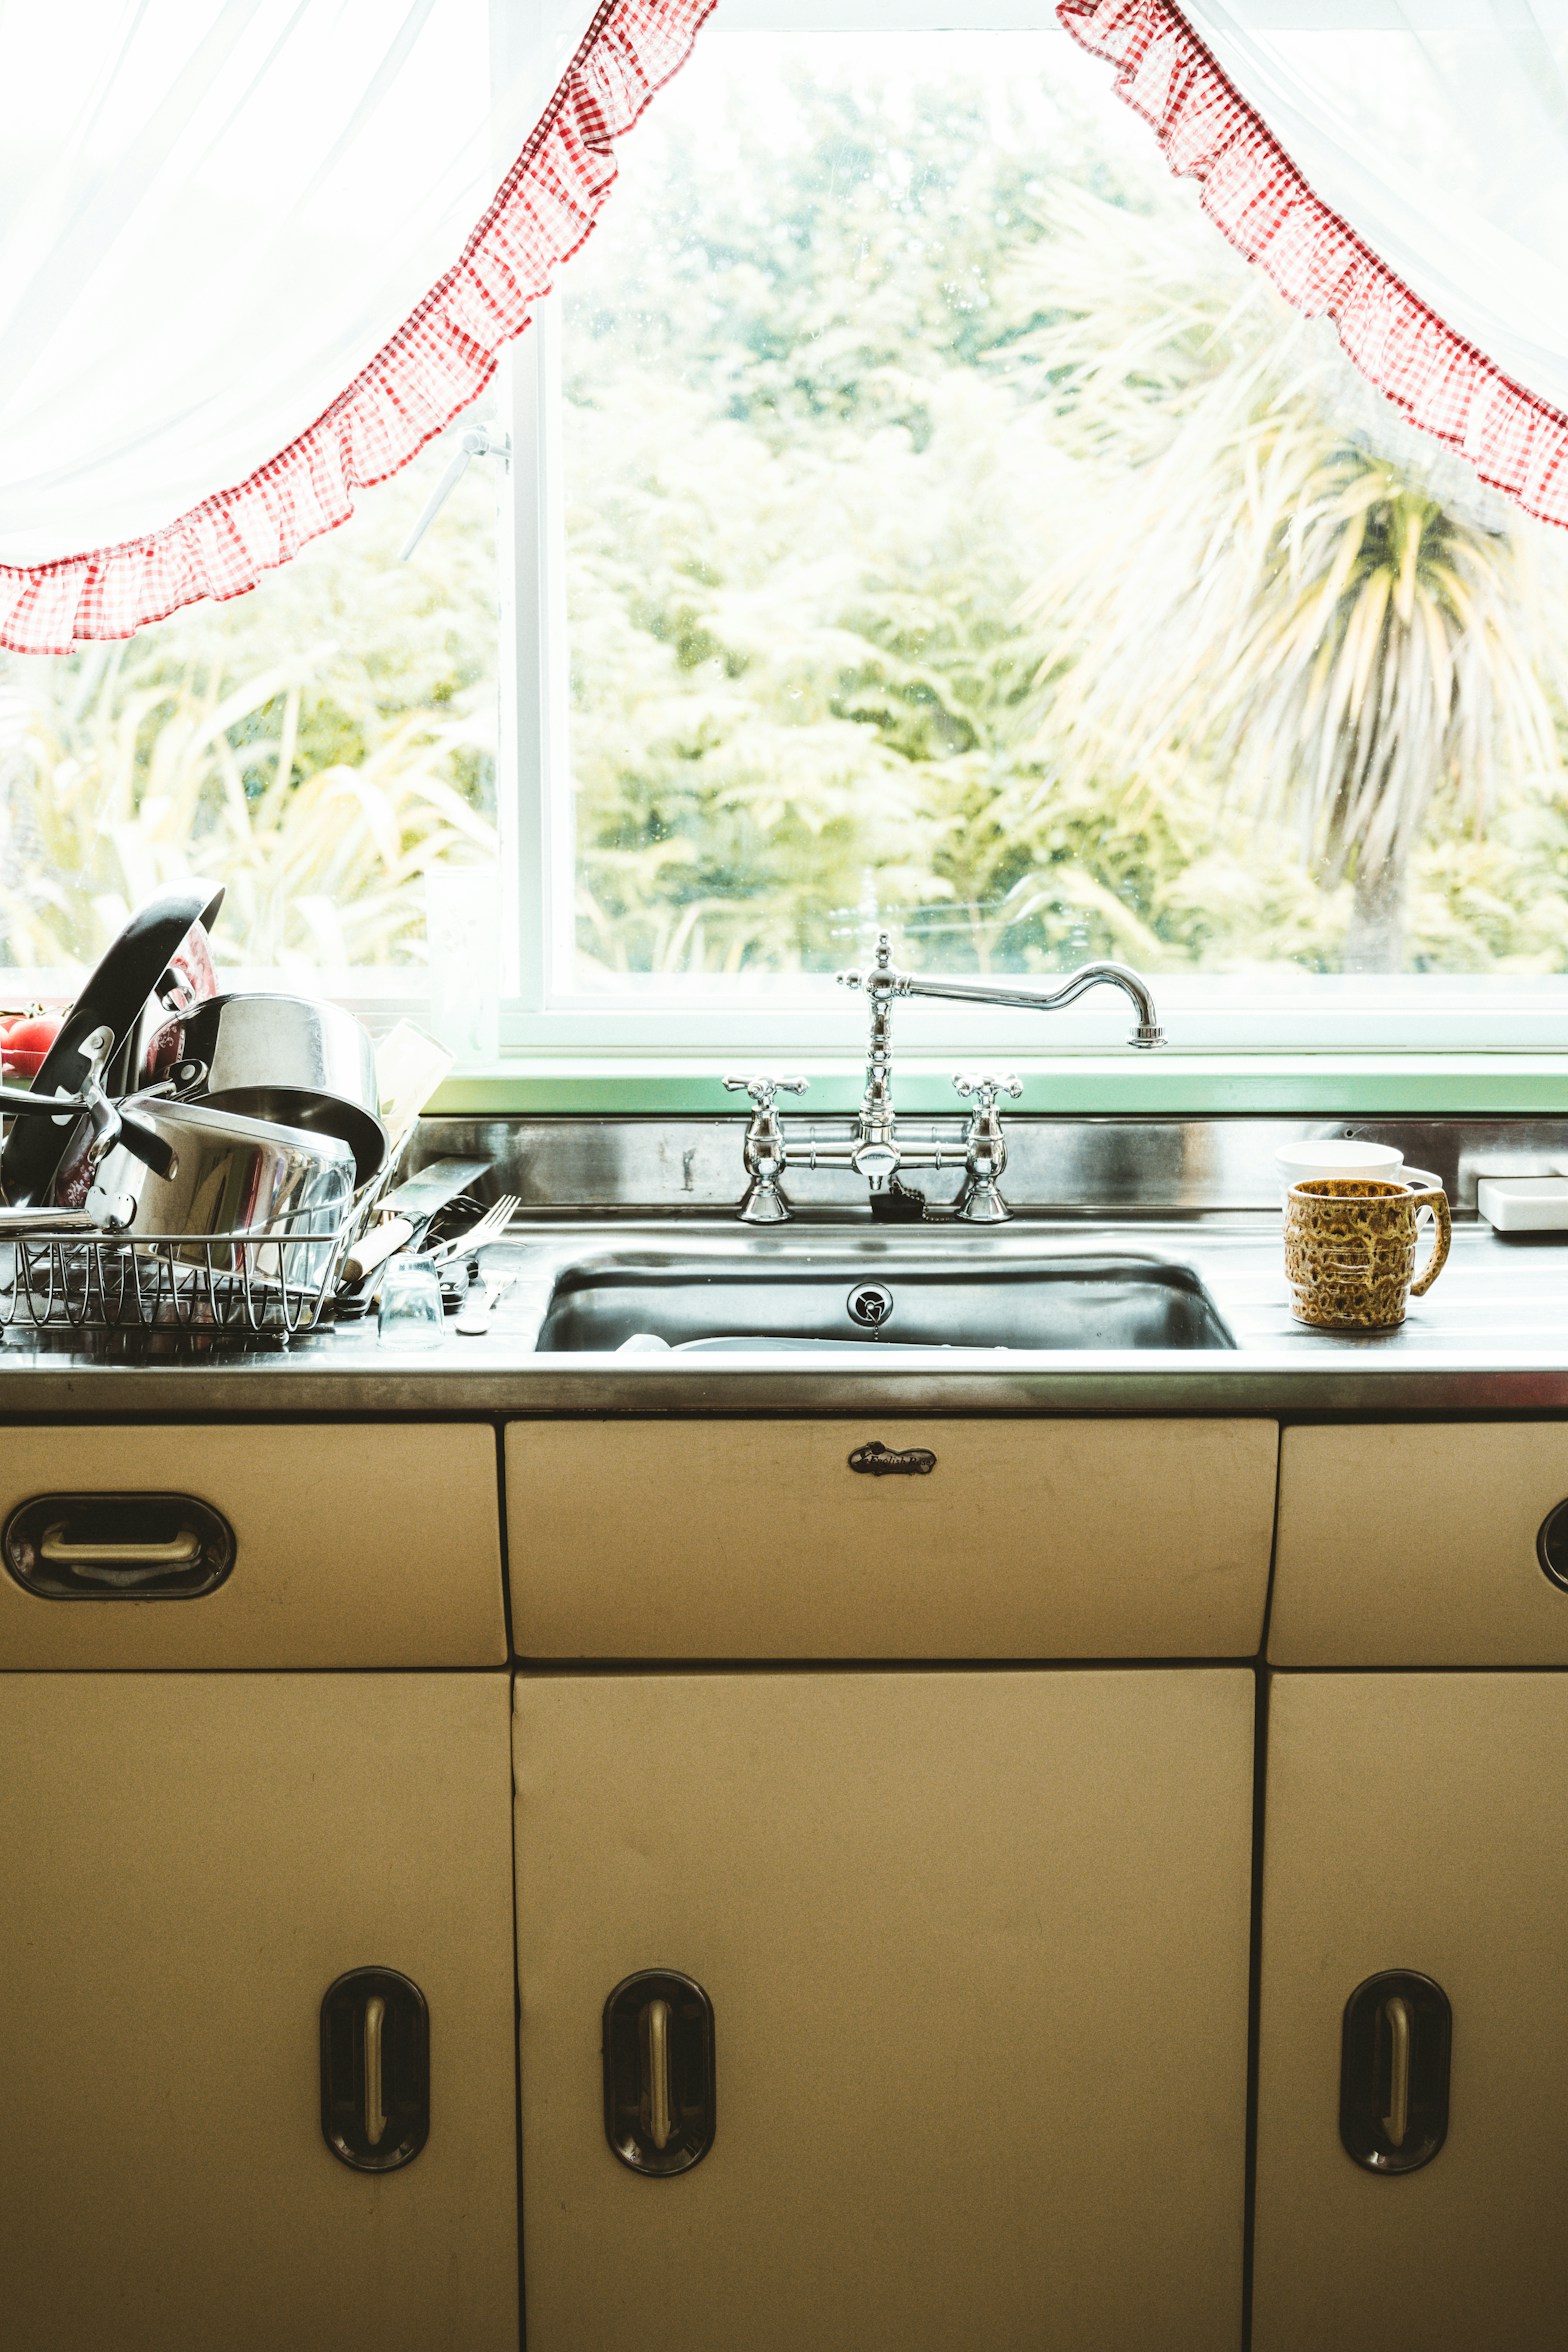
<point x="981" y="1204"/>
<point x="763" y="1204"/>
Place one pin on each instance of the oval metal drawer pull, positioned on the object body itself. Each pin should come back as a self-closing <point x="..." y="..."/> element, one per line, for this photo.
<point x="1393" y="2083"/>
<point x="375" y="2069"/>
<point x="658" y="2072"/>
<point x="1551" y="1545"/>
<point x="117" y="1547"/>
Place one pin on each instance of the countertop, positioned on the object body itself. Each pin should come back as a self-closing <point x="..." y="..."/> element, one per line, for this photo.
<point x="1491" y="1336"/>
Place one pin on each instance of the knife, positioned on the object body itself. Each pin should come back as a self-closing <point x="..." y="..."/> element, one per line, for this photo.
<point x="408" y="1206"/>
<point x="438" y="1182"/>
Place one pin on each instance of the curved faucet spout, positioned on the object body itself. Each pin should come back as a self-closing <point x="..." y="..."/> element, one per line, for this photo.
<point x="1146" y="1033"/>
<point x="884" y="981"/>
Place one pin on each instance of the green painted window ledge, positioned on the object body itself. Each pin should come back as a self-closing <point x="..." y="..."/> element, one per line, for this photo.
<point x="1162" y="1085"/>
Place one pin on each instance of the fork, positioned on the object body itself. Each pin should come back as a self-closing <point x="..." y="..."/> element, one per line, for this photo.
<point x="490" y="1227"/>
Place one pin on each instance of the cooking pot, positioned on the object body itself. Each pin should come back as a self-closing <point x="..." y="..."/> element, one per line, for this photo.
<point x="221" y="1175"/>
<point x="230" y="1175"/>
<point x="288" y="1060"/>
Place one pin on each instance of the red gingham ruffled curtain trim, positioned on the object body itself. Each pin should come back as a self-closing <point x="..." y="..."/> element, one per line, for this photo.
<point x="1259" y="200"/>
<point x="440" y="358"/>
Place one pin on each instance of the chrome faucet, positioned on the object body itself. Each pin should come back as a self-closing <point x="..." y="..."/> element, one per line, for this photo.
<point x="880" y="1146"/>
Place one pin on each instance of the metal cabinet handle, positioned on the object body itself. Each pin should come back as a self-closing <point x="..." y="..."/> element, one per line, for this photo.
<point x="375" y="2109"/>
<point x="659" y="2072"/>
<point x="656" y="2020"/>
<point x="62" y="1551"/>
<point x="876" y="1460"/>
<point x="1394" y="2065"/>
<point x="375" y="2069"/>
<point x="1396" y="2122"/>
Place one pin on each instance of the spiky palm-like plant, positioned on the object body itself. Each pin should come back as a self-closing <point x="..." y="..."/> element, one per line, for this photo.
<point x="1388" y="665"/>
<point x="1273" y="578"/>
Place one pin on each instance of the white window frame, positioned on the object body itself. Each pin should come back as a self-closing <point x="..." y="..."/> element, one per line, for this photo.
<point x="802" y="1015"/>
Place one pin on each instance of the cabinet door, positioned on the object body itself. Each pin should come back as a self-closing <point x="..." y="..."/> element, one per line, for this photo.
<point x="976" y="1949"/>
<point x="1415" y="1822"/>
<point x="189" y="1862"/>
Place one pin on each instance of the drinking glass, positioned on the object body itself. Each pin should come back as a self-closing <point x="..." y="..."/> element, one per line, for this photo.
<point x="411" y="1314"/>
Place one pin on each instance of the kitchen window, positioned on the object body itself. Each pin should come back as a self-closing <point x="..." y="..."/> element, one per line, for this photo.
<point x="916" y="516"/>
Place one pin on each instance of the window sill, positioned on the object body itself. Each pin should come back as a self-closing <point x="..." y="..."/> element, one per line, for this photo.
<point x="1163" y="1085"/>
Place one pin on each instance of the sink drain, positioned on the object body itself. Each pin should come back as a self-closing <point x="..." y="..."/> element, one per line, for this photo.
<point x="869" y="1305"/>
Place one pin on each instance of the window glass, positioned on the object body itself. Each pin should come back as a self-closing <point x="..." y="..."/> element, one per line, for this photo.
<point x="961" y="535"/>
<point x="316" y="746"/>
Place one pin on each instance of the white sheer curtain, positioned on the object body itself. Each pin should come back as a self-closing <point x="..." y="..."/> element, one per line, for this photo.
<point x="213" y="213"/>
<point x="1438" y="129"/>
<point x="1400" y="165"/>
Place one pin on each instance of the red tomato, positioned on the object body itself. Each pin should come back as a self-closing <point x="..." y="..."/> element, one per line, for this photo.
<point x="31" y="1033"/>
<point x="25" y="1039"/>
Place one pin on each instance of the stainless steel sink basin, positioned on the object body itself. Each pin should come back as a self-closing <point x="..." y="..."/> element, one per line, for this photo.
<point x="829" y="1301"/>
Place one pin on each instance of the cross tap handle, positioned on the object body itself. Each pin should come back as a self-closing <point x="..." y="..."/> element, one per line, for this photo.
<point x="985" y="1086"/>
<point x="762" y="1086"/>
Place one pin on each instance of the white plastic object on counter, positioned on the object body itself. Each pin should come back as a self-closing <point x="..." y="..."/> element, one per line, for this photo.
<point x="1524" y="1204"/>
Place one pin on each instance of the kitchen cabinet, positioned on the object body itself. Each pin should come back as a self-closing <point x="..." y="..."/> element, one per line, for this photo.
<point x="190" y="1862"/>
<point x="1414" y="1824"/>
<point x="345" y="1544"/>
<point x="975" y="1946"/>
<point x="1421" y="1543"/>
<point x="889" y="1538"/>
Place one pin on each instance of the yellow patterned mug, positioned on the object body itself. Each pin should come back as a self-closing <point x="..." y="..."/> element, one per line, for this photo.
<point x="1350" y="1248"/>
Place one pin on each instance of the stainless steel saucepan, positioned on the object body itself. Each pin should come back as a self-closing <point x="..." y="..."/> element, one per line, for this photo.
<point x="218" y="1175"/>
<point x="288" y="1060"/>
<point x="229" y="1176"/>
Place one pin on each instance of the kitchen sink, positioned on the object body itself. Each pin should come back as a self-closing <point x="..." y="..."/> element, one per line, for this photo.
<point x="828" y="1302"/>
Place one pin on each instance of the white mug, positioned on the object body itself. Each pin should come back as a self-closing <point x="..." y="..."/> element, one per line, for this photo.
<point x="1342" y="1155"/>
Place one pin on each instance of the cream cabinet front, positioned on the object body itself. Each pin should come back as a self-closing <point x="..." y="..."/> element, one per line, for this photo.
<point x="1436" y="1543"/>
<point x="929" y="2024"/>
<point x="889" y="1538"/>
<point x="191" y="1863"/>
<point x="1413" y="2085"/>
<point x="306" y="1543"/>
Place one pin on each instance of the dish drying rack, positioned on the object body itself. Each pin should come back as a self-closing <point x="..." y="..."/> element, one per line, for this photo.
<point x="269" y="1283"/>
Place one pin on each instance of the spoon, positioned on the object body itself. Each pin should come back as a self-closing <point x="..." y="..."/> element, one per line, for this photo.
<point x="474" y="1315"/>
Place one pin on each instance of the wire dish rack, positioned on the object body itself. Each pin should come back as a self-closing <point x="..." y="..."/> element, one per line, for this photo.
<point x="271" y="1283"/>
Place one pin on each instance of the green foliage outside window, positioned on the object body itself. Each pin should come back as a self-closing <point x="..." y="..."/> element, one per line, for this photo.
<point x="961" y="531"/>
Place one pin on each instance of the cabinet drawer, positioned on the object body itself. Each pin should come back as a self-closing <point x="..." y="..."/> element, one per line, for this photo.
<point x="353" y="1544"/>
<point x="1416" y="1546"/>
<point x="762" y="1539"/>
